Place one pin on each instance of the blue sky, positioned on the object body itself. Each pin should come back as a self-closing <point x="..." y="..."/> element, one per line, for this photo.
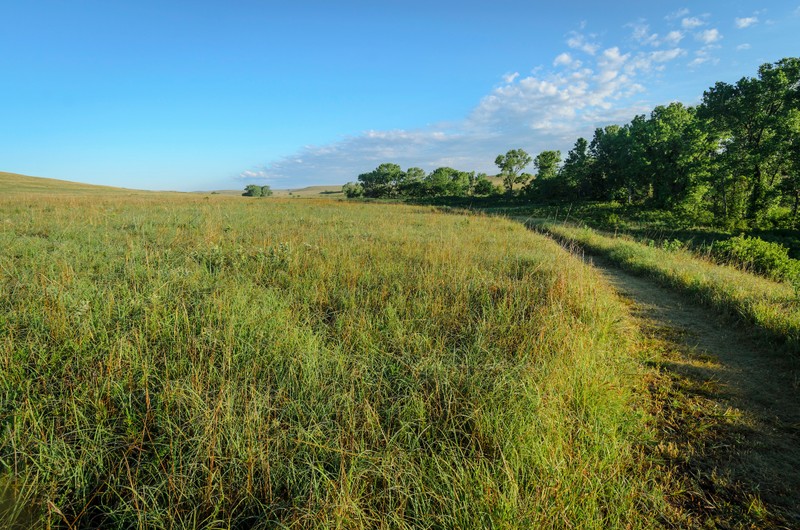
<point x="214" y="95"/>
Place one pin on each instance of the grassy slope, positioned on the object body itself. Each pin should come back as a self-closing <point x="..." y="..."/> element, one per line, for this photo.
<point x="191" y="361"/>
<point x="772" y="307"/>
<point x="13" y="183"/>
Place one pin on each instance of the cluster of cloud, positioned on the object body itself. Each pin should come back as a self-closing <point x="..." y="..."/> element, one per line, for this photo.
<point x="588" y="85"/>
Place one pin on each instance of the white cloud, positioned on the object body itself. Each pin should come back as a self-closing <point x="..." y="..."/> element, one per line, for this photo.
<point x="254" y="175"/>
<point x="677" y="14"/>
<point x="565" y="59"/>
<point x="691" y="23"/>
<point x="744" y="46"/>
<point x="664" y="56"/>
<point x="702" y="57"/>
<point x="746" y="22"/>
<point x="709" y="36"/>
<point x="641" y="33"/>
<point x="578" y="41"/>
<point x="509" y="78"/>
<point x="697" y="61"/>
<point x="545" y="109"/>
<point x="673" y="37"/>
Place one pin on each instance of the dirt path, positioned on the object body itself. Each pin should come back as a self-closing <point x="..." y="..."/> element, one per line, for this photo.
<point x="746" y="392"/>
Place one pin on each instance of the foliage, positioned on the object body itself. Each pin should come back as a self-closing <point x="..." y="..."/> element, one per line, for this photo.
<point x="546" y="184"/>
<point x="353" y="190"/>
<point x="389" y="181"/>
<point x="383" y="181"/>
<point x="511" y="166"/>
<point x="769" y="259"/>
<point x="253" y="190"/>
<point x="483" y="186"/>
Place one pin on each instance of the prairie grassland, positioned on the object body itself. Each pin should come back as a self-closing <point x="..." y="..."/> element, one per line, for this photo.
<point x="186" y="362"/>
<point x="773" y="307"/>
<point x="19" y="186"/>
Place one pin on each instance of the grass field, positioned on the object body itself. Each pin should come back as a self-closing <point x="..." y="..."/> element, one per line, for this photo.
<point x="13" y="184"/>
<point x="180" y="361"/>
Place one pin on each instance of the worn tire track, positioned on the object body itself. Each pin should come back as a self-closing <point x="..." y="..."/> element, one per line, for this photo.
<point x="752" y="386"/>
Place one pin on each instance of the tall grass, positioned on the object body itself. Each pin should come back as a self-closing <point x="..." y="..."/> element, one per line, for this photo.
<point x="772" y="307"/>
<point x="182" y="362"/>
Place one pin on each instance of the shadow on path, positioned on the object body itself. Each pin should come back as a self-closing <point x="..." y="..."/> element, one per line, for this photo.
<point x="740" y="421"/>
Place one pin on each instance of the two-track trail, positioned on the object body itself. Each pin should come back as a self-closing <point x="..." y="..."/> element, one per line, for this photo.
<point x="733" y="417"/>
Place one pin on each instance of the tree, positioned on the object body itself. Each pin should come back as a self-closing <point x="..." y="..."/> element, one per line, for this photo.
<point x="447" y="181"/>
<point x="353" y="190"/>
<point x="414" y="183"/>
<point x="252" y="190"/>
<point x="511" y="165"/>
<point x="266" y="191"/>
<point x="546" y="164"/>
<point x="545" y="184"/>
<point x="483" y="186"/>
<point x="748" y="119"/>
<point x="383" y="181"/>
<point x="575" y="170"/>
<point x="603" y="150"/>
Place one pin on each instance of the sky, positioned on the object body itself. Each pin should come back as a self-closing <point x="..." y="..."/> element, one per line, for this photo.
<point x="180" y="95"/>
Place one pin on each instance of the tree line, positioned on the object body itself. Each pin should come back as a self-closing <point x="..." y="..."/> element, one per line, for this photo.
<point x="733" y="160"/>
<point x="389" y="180"/>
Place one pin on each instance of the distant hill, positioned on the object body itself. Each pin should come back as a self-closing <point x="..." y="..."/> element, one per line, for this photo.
<point x="309" y="191"/>
<point x="15" y="183"/>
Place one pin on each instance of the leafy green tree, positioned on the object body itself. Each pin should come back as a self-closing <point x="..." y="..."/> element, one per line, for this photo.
<point x="790" y="186"/>
<point x="575" y="170"/>
<point x="437" y="183"/>
<point x="749" y="120"/>
<point x="546" y="164"/>
<point x="511" y="166"/>
<point x="446" y="181"/>
<point x="472" y="177"/>
<point x="353" y="190"/>
<point x="383" y="181"/>
<point x="667" y="139"/>
<point x="545" y="184"/>
<point x="266" y="191"/>
<point x="483" y="186"/>
<point x="252" y="190"/>
<point x="608" y="151"/>
<point x="414" y="183"/>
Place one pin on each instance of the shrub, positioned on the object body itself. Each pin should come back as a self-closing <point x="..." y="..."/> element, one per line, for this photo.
<point x="762" y="257"/>
<point x="352" y="190"/>
<point x="251" y="190"/>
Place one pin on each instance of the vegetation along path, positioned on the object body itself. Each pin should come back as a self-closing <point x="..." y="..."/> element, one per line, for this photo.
<point x="731" y="421"/>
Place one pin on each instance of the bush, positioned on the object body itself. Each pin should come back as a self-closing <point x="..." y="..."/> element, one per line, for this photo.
<point x="762" y="257"/>
<point x="352" y="190"/>
<point x="483" y="186"/>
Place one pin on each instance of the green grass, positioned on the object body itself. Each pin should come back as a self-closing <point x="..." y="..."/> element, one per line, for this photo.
<point x="649" y="224"/>
<point x="772" y="307"/>
<point x="18" y="185"/>
<point x="182" y="362"/>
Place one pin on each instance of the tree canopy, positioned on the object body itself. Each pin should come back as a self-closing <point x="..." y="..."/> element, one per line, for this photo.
<point x="511" y="165"/>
